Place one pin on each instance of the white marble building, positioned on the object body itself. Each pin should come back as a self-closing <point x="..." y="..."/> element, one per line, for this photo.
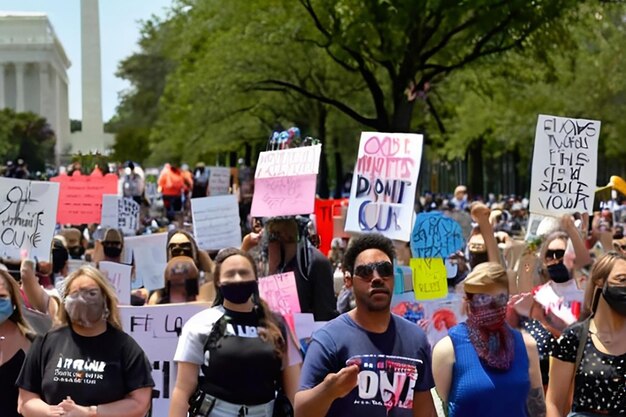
<point x="33" y="71"/>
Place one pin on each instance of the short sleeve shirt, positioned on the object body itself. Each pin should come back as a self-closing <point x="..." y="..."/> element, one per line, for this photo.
<point x="393" y="365"/>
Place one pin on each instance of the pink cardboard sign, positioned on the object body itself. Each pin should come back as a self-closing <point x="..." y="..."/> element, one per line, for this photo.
<point x="284" y="196"/>
<point x="80" y="196"/>
<point x="280" y="293"/>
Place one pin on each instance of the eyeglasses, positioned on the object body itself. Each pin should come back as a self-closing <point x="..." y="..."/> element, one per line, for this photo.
<point x="555" y="253"/>
<point x="484" y="300"/>
<point x="366" y="271"/>
<point x="180" y="249"/>
<point x="87" y="293"/>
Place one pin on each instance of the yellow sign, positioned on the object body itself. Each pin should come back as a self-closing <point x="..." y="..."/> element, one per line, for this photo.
<point x="429" y="278"/>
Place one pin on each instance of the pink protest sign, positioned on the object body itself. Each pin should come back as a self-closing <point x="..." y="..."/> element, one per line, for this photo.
<point x="80" y="196"/>
<point x="280" y="293"/>
<point x="285" y="181"/>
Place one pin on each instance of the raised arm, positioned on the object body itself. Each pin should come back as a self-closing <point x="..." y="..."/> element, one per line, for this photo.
<point x="582" y="254"/>
<point x="480" y="214"/>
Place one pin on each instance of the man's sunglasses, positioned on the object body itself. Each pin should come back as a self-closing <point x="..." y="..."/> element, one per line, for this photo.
<point x="366" y="271"/>
<point x="622" y="247"/>
<point x="555" y="253"/>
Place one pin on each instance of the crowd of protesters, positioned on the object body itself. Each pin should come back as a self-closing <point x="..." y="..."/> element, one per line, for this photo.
<point x="63" y="350"/>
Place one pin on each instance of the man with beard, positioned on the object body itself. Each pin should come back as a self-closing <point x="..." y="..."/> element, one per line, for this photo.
<point x="367" y="361"/>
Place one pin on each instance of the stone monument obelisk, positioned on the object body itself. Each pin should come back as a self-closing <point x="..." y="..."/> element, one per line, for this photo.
<point x="92" y="137"/>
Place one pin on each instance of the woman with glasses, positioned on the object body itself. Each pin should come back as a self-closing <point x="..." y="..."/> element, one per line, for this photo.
<point x="484" y="367"/>
<point x="591" y="355"/>
<point x="87" y="366"/>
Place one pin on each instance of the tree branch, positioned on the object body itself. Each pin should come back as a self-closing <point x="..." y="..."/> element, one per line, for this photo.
<point x="270" y="85"/>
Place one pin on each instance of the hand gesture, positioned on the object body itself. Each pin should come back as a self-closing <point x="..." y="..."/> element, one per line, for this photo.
<point x="567" y="223"/>
<point x="27" y="270"/>
<point x="479" y="212"/>
<point x="343" y="381"/>
<point x="72" y="409"/>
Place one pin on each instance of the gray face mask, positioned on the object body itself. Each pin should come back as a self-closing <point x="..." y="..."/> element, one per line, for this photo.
<point x="86" y="308"/>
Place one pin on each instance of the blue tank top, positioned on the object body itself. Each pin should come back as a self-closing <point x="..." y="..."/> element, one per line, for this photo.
<point x="477" y="390"/>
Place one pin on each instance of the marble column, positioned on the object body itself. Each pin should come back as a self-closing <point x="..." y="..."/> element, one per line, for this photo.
<point x="19" y="86"/>
<point x="2" y="93"/>
<point x="44" y="89"/>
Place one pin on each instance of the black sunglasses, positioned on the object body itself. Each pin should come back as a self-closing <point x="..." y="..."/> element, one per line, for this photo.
<point x="366" y="271"/>
<point x="555" y="253"/>
<point x="180" y="249"/>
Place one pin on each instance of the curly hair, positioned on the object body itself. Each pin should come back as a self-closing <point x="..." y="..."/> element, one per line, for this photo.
<point x="364" y="242"/>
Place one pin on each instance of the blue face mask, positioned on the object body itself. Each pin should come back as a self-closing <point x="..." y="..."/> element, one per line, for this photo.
<point x="6" y="309"/>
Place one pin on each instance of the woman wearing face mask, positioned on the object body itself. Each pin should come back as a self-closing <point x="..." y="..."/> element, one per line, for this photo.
<point x="592" y="355"/>
<point x="15" y="339"/>
<point x="239" y="346"/>
<point x="484" y="367"/>
<point x="88" y="366"/>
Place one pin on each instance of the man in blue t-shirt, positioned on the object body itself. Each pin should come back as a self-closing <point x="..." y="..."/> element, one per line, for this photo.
<point x="367" y="362"/>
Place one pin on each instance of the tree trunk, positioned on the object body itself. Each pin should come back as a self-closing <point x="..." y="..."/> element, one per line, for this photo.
<point x="322" y="177"/>
<point x="475" y="168"/>
<point x="338" y="175"/>
<point x="402" y="114"/>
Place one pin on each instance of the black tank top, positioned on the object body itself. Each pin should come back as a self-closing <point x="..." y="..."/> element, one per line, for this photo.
<point x="8" y="375"/>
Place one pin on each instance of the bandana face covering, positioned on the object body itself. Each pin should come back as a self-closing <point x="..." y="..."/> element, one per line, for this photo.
<point x="85" y="308"/>
<point x="489" y="333"/>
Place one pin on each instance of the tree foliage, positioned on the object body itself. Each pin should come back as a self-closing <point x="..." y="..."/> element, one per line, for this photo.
<point x="27" y="136"/>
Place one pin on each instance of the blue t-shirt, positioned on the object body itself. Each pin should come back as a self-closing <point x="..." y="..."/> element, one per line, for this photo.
<point x="393" y="365"/>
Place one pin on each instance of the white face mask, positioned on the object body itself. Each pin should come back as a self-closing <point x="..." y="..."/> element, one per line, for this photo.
<point x="86" y="308"/>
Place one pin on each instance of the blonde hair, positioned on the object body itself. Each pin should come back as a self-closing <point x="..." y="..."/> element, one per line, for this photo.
<point x="110" y="299"/>
<point x="599" y="274"/>
<point x="14" y="293"/>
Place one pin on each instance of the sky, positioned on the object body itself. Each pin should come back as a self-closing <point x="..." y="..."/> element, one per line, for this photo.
<point x="119" y="33"/>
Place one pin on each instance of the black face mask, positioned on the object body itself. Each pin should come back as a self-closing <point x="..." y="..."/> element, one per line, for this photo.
<point x="239" y="292"/>
<point x="615" y="298"/>
<point x="112" y="251"/>
<point x="558" y="273"/>
<point x="76" y="252"/>
<point x="477" y="258"/>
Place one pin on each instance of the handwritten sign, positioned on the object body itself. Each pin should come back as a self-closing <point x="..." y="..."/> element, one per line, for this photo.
<point x="285" y="182"/>
<point x="435" y="236"/>
<point x="565" y="162"/>
<point x="120" y="213"/>
<point x="119" y="277"/>
<point x="382" y="194"/>
<point x="280" y="293"/>
<point x="157" y="329"/>
<point x="150" y="255"/>
<point x="80" y="196"/>
<point x="429" y="278"/>
<point x="219" y="180"/>
<point x="28" y="212"/>
<point x="216" y="222"/>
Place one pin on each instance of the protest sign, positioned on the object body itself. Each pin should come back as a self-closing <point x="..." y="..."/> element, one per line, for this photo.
<point x="219" y="180"/>
<point x="326" y="214"/>
<point x="435" y="236"/>
<point x="435" y="317"/>
<point x="80" y="196"/>
<point x="150" y="255"/>
<point x="565" y="161"/>
<point x="429" y="278"/>
<point x="280" y="292"/>
<point x="382" y="194"/>
<point x="216" y="222"/>
<point x="285" y="182"/>
<point x="119" y="276"/>
<point x="120" y="213"/>
<point x="157" y="329"/>
<point x="28" y="212"/>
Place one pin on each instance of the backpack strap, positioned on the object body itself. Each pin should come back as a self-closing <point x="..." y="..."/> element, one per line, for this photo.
<point x="582" y="341"/>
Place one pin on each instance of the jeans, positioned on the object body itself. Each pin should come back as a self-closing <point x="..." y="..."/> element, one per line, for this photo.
<point x="226" y="409"/>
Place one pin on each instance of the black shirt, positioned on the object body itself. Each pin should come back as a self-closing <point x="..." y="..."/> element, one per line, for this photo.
<point x="92" y="370"/>
<point x="8" y="374"/>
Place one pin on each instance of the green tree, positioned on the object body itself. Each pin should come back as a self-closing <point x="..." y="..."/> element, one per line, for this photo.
<point x="27" y="136"/>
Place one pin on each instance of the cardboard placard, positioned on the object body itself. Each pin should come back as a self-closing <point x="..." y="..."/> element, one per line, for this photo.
<point x="382" y="195"/>
<point x="157" y="329"/>
<point x="285" y="182"/>
<point x="429" y="278"/>
<point x="150" y="255"/>
<point x="216" y="222"/>
<point x="565" y="164"/>
<point x="120" y="213"/>
<point x="219" y="180"/>
<point x="280" y="292"/>
<point x="28" y="211"/>
<point x="119" y="277"/>
<point x="80" y="196"/>
<point x="435" y="236"/>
